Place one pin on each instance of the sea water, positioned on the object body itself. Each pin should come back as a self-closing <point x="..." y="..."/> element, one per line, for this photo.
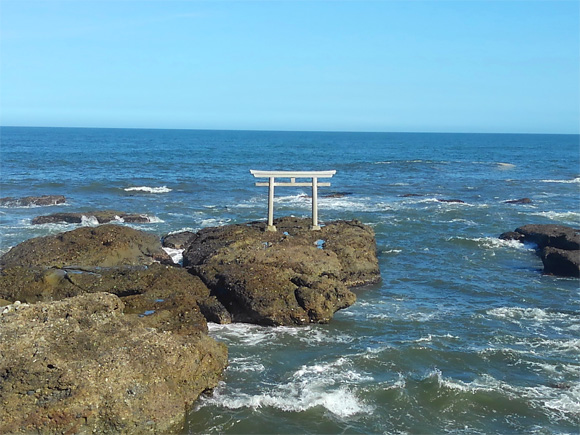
<point x="464" y="334"/>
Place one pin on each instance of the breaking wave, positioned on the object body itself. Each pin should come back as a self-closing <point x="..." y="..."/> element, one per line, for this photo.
<point x="162" y="189"/>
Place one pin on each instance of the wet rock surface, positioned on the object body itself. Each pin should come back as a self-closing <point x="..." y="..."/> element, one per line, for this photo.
<point x="29" y="201"/>
<point x="180" y="240"/>
<point x="102" y="246"/>
<point x="291" y="276"/>
<point x="81" y="365"/>
<point x="558" y="246"/>
<point x="165" y="297"/>
<point x="102" y="217"/>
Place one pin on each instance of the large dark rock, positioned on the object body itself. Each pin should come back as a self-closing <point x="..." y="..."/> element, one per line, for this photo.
<point x="101" y="217"/>
<point x="558" y="246"/>
<point x="102" y="246"/>
<point x="28" y="201"/>
<point x="179" y="240"/>
<point x="292" y="276"/>
<point x="82" y="366"/>
<point x="556" y="236"/>
<point x="112" y="259"/>
<point x="561" y="262"/>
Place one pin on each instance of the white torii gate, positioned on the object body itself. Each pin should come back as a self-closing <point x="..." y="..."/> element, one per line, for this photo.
<point x="292" y="175"/>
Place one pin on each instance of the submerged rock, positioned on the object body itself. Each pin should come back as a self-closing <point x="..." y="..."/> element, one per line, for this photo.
<point x="519" y="201"/>
<point x="82" y="366"/>
<point x="101" y="217"/>
<point x="558" y="246"/>
<point x="28" y="201"/>
<point x="292" y="276"/>
<point x="457" y="201"/>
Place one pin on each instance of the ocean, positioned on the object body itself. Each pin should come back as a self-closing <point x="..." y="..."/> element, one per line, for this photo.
<point x="463" y="335"/>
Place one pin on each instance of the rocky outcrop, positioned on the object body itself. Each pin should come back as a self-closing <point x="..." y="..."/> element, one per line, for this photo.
<point x="80" y="360"/>
<point x="102" y="246"/>
<point x="101" y="217"/>
<point x="519" y="201"/>
<point x="29" y="201"/>
<point x="292" y="276"/>
<point x="180" y="240"/>
<point x="166" y="297"/>
<point x="81" y="365"/>
<point x="558" y="246"/>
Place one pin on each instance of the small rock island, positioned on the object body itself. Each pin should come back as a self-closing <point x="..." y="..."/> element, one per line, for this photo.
<point x="557" y="245"/>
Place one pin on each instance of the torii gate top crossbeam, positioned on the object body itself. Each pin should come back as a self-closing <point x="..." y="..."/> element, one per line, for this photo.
<point x="292" y="175"/>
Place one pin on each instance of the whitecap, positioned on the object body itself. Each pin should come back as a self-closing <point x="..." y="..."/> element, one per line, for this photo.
<point x="429" y="338"/>
<point x="572" y="216"/>
<point x="574" y="180"/>
<point x="162" y="189"/>
<point x="535" y="314"/>
<point x="494" y="243"/>
<point x="391" y="251"/>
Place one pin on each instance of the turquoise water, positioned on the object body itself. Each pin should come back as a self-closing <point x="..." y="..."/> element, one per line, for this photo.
<point x="464" y="334"/>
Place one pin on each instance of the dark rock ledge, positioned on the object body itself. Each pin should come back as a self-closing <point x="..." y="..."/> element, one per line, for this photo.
<point x="558" y="246"/>
<point x="102" y="217"/>
<point x="28" y="201"/>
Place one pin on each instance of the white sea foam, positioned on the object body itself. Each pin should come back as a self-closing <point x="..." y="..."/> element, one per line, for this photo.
<point x="255" y="335"/>
<point x="213" y="222"/>
<point x="181" y="230"/>
<point x="562" y="402"/>
<point x="430" y="338"/>
<point x="161" y="189"/>
<point x="392" y="251"/>
<point x="494" y="243"/>
<point x="154" y="219"/>
<point x="569" y="181"/>
<point x="245" y="364"/>
<point x="504" y="166"/>
<point x="517" y="314"/>
<point x="175" y="254"/>
<point x="89" y="221"/>
<point x="329" y="385"/>
<point x="570" y="216"/>
<point x="303" y="202"/>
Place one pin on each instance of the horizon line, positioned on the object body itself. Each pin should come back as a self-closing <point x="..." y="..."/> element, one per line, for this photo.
<point x="283" y="130"/>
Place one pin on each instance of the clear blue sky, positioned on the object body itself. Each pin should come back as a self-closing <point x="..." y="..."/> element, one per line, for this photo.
<point x="441" y="66"/>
